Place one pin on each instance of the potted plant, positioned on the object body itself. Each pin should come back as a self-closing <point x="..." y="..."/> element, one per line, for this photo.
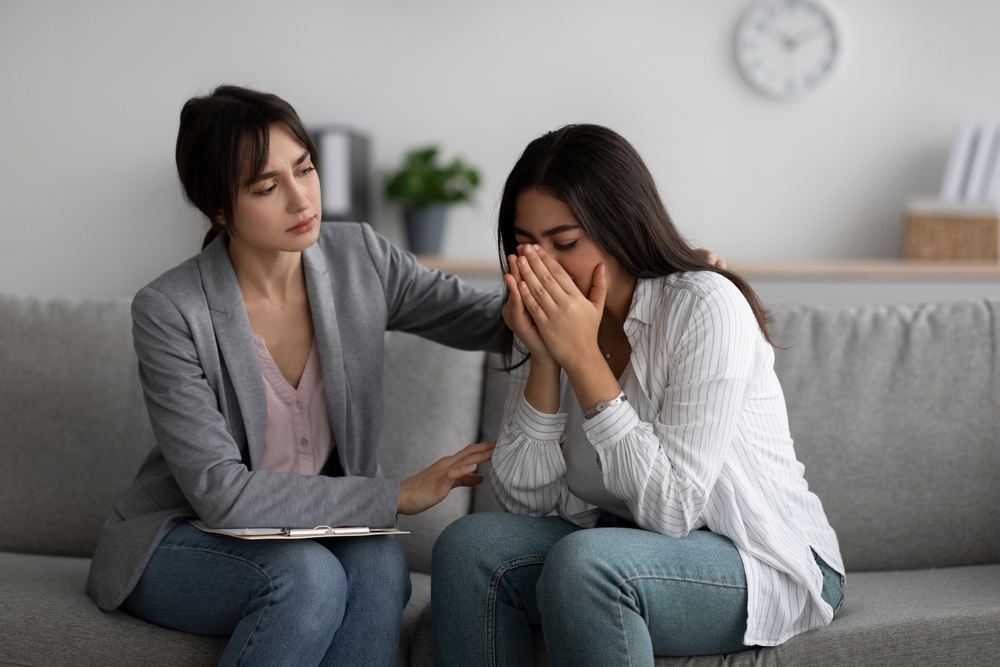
<point x="425" y="189"/>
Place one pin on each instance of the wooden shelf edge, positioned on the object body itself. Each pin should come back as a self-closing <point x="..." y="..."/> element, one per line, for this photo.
<point x="819" y="269"/>
<point x="868" y="268"/>
<point x="454" y="265"/>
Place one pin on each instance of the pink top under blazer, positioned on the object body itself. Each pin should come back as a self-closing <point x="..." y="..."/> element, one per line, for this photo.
<point x="298" y="437"/>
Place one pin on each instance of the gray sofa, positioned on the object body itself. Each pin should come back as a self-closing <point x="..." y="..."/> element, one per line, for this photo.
<point x="893" y="409"/>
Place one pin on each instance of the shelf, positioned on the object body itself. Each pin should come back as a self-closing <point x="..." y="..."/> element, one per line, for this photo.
<point x="460" y="266"/>
<point x="884" y="269"/>
<point x="881" y="269"/>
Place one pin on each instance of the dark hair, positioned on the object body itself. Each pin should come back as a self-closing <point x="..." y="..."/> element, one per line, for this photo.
<point x="224" y="137"/>
<point x="606" y="185"/>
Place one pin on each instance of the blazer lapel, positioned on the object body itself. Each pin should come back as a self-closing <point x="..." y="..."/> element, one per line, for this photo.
<point x="235" y="339"/>
<point x="331" y="353"/>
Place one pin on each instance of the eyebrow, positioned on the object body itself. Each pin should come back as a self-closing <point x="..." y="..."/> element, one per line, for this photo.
<point x="271" y="174"/>
<point x="548" y="232"/>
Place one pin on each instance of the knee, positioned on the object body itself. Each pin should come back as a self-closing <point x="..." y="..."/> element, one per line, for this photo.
<point x="574" y="556"/>
<point x="571" y="569"/>
<point x="464" y="543"/>
<point x="376" y="568"/>
<point x="463" y="533"/>
<point x="309" y="583"/>
<point x="392" y="572"/>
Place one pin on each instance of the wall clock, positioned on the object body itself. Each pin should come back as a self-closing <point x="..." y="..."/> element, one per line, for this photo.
<point x="785" y="48"/>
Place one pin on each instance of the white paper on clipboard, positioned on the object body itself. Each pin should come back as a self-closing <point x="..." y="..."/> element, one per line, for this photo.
<point x="296" y="533"/>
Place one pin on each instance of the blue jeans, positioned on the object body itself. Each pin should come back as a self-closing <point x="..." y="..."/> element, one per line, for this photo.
<point x="337" y="601"/>
<point x="604" y="596"/>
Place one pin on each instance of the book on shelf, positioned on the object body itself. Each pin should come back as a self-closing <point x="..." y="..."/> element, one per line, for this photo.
<point x="956" y="171"/>
<point x="981" y="163"/>
<point x="972" y="173"/>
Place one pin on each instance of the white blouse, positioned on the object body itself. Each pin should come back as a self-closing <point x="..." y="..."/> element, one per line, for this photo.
<point x="703" y="440"/>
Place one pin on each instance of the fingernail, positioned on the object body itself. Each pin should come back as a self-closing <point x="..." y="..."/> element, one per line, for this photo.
<point x="527" y="249"/>
<point x="537" y="247"/>
<point x="522" y="261"/>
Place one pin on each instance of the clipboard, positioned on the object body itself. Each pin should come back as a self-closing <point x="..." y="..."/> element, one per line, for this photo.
<point x="296" y="533"/>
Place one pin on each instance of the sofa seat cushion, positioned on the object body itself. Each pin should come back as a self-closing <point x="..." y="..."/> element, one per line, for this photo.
<point x="43" y="605"/>
<point x="420" y="599"/>
<point x="940" y="617"/>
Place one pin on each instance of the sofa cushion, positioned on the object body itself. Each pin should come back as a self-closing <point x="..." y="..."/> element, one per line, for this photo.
<point x="73" y="426"/>
<point x="495" y="389"/>
<point x="420" y="598"/>
<point x="43" y="605"/>
<point x="918" y="617"/>
<point x="894" y="412"/>
<point x="432" y="409"/>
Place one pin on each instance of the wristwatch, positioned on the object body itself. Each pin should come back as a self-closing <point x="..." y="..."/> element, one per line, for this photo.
<point x="604" y="405"/>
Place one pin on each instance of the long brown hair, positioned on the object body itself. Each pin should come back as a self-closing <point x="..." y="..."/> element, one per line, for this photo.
<point x="611" y="193"/>
<point x="223" y="138"/>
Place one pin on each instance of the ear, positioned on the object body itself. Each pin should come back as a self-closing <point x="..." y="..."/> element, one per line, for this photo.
<point x="221" y="219"/>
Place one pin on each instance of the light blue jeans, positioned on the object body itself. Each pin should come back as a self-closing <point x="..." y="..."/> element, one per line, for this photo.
<point x="604" y="596"/>
<point x="302" y="603"/>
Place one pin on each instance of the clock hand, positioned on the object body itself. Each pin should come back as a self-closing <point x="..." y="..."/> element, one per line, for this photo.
<point x="804" y="36"/>
<point x="788" y="42"/>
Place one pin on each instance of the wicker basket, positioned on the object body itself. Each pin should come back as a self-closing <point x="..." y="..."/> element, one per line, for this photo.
<point x="942" y="236"/>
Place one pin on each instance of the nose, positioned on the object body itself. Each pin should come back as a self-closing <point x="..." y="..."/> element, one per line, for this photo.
<point x="298" y="199"/>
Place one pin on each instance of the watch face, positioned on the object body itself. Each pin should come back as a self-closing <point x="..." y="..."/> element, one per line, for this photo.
<point x="787" y="47"/>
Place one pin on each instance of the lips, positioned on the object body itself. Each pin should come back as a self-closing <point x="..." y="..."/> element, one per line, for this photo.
<point x="303" y="227"/>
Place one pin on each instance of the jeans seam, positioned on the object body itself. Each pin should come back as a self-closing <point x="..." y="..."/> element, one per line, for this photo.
<point x="246" y="644"/>
<point x="621" y="618"/>
<point x="675" y="578"/>
<point x="492" y="600"/>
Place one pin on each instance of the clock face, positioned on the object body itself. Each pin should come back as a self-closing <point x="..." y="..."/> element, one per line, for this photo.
<point x="787" y="47"/>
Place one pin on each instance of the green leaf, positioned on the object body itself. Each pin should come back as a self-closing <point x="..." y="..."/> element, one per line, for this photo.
<point x="422" y="182"/>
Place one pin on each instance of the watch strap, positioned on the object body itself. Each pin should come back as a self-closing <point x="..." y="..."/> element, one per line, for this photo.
<point x="604" y="405"/>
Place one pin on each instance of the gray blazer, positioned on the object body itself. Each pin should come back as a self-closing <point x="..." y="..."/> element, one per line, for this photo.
<point x="205" y="395"/>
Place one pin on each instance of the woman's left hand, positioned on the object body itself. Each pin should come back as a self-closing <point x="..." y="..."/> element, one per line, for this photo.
<point x="433" y="484"/>
<point x="566" y="319"/>
<point x="711" y="258"/>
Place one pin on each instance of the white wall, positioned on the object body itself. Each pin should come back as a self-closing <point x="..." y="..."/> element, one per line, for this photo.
<point x="90" y="93"/>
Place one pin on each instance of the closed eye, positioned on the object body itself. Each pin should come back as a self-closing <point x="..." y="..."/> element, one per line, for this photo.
<point x="564" y="247"/>
<point x="264" y="193"/>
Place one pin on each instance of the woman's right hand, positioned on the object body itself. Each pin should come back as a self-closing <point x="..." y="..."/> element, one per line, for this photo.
<point x="517" y="318"/>
<point x="433" y="484"/>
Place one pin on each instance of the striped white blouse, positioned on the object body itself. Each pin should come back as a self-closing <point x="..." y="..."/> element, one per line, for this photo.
<point x="703" y="440"/>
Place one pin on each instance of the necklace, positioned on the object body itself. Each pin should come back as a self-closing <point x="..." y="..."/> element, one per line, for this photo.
<point x="607" y="355"/>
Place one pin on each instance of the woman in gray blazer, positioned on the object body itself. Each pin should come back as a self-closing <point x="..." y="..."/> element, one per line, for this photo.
<point x="275" y="288"/>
